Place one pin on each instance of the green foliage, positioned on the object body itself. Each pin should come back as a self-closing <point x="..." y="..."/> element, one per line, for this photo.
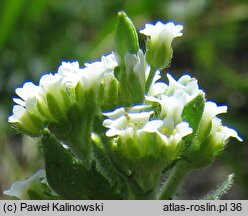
<point x="69" y="177"/>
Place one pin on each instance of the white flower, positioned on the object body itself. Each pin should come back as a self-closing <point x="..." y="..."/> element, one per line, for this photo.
<point x="29" y="90"/>
<point x="172" y="134"/>
<point x="211" y="109"/>
<point x="54" y="88"/>
<point x="163" y="32"/>
<point x="106" y="65"/>
<point x="20" y="189"/>
<point x="160" y="37"/>
<point x="25" y="114"/>
<point x="186" y="84"/>
<point x="171" y="106"/>
<point x="173" y="97"/>
<point x="95" y="72"/>
<point x="69" y="69"/>
<point x="220" y="134"/>
<point x="123" y="122"/>
<point x="29" y="95"/>
<point x="157" y="89"/>
<point x="89" y="76"/>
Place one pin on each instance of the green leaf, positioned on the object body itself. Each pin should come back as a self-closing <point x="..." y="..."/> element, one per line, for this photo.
<point x="192" y="113"/>
<point x="126" y="38"/>
<point x="68" y="177"/>
<point x="222" y="189"/>
<point x="107" y="168"/>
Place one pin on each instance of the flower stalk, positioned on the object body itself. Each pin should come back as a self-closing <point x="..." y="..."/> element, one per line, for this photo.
<point x="175" y="180"/>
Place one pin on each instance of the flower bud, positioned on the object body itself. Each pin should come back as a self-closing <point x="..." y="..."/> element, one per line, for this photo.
<point x="126" y="39"/>
<point x="132" y="79"/>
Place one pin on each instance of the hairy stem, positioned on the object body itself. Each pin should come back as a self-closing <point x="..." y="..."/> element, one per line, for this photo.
<point x="175" y="180"/>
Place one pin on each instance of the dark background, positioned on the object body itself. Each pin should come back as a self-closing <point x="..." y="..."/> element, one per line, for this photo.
<point x="35" y="36"/>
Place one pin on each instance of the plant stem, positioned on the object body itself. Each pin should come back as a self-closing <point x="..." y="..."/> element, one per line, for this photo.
<point x="175" y="180"/>
<point x="150" y="79"/>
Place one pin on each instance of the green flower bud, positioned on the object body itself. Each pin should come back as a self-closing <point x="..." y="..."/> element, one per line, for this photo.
<point x="132" y="79"/>
<point x="126" y="39"/>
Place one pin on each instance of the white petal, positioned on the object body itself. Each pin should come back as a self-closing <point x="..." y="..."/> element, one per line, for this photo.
<point x="183" y="129"/>
<point x="139" y="117"/>
<point x="69" y="69"/>
<point x="152" y="126"/>
<point x="18" y="111"/>
<point x="161" y="31"/>
<point x="19" y="101"/>
<point x="228" y="132"/>
<point x="28" y="90"/>
<point x="211" y="110"/>
<point x="116" y="113"/>
<point x="157" y="89"/>
<point x="113" y="132"/>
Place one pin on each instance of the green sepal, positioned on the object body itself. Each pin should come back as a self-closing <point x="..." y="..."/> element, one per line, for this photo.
<point x="141" y="163"/>
<point x="158" y="56"/>
<point x="199" y="150"/>
<point x="68" y="177"/>
<point x="80" y="121"/>
<point x="192" y="113"/>
<point x="126" y="38"/>
<point x="54" y="107"/>
<point x="131" y="92"/>
<point x="109" y="94"/>
<point x="61" y="129"/>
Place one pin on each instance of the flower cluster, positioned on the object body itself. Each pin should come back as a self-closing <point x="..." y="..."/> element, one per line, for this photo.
<point x="51" y="99"/>
<point x="117" y="108"/>
<point x="159" y="131"/>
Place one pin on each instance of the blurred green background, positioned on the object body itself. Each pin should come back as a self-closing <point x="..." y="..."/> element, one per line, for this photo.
<point x="35" y="36"/>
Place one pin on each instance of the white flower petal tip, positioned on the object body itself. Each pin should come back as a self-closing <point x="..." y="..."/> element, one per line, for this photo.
<point x="162" y="30"/>
<point x="229" y="132"/>
<point x="18" y="112"/>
